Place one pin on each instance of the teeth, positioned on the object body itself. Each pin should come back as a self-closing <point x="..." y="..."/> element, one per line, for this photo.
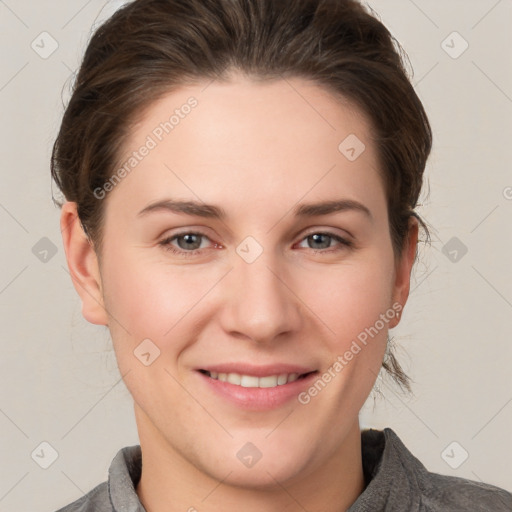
<point x="250" y="381"/>
<point x="268" y="382"/>
<point x="282" y="379"/>
<point x="234" y="378"/>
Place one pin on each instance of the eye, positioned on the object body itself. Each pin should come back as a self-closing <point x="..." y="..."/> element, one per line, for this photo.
<point x="322" y="241"/>
<point x="189" y="243"/>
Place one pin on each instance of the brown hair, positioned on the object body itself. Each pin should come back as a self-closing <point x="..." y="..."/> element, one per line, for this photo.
<point x="149" y="47"/>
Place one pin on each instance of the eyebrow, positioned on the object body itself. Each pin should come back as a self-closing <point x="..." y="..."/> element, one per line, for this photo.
<point x="210" y="211"/>
<point x="328" y="207"/>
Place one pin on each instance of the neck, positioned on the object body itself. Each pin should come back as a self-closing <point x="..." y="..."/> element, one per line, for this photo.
<point x="171" y="483"/>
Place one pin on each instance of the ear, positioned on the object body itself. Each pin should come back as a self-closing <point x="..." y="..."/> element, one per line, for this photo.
<point x="404" y="266"/>
<point x="83" y="265"/>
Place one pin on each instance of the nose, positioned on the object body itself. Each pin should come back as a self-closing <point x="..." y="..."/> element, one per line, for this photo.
<point x="259" y="303"/>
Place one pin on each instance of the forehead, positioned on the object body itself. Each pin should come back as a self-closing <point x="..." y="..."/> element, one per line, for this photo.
<point x="250" y="141"/>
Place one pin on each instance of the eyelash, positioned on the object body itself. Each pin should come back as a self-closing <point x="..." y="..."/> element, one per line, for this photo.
<point x="166" y="243"/>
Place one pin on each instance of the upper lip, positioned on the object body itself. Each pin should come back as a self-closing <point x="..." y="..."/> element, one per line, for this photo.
<point x="257" y="371"/>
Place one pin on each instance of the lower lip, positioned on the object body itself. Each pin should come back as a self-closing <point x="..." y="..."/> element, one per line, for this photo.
<point x="258" y="399"/>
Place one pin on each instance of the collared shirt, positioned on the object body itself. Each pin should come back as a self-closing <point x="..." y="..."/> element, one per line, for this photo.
<point x="395" y="482"/>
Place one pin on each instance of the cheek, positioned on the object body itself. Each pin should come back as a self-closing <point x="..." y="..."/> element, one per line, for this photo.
<point x="349" y="299"/>
<point x="147" y="301"/>
<point x="150" y="299"/>
<point x="353" y="303"/>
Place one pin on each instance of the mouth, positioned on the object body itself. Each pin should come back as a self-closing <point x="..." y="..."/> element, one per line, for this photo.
<point x="253" y="381"/>
<point x="256" y="388"/>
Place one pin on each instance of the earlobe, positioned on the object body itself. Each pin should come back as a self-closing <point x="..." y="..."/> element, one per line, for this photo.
<point x="83" y="265"/>
<point x="403" y="269"/>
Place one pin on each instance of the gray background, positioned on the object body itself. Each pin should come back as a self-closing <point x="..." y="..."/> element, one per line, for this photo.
<point x="60" y="383"/>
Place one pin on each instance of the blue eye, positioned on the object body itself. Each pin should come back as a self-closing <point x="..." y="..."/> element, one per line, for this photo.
<point x="189" y="244"/>
<point x="320" y="238"/>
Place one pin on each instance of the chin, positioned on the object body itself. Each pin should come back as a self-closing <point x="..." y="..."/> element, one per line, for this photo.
<point x="266" y="467"/>
<point x="264" y="476"/>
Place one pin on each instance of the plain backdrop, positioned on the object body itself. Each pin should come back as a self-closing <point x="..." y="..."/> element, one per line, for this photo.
<point x="60" y="383"/>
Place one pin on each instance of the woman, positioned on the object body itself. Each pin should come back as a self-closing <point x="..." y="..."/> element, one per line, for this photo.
<point x="283" y="143"/>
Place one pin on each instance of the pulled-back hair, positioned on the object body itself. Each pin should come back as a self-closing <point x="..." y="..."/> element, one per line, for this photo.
<point x="148" y="48"/>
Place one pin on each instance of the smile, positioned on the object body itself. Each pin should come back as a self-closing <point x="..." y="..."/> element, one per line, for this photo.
<point x="256" y="388"/>
<point x="252" y="381"/>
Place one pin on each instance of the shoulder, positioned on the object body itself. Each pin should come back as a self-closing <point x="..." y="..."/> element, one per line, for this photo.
<point x="96" y="500"/>
<point x="447" y="493"/>
<point x="455" y="493"/>
<point x="119" y="491"/>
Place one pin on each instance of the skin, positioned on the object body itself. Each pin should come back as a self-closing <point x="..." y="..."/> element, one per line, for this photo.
<point x="257" y="150"/>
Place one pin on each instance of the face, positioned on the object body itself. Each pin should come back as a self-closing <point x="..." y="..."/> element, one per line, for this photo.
<point x="248" y="277"/>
